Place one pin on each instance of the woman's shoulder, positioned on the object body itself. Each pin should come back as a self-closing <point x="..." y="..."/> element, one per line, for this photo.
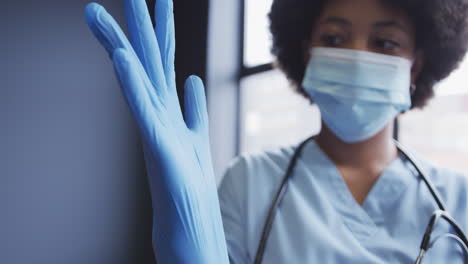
<point x="260" y="164"/>
<point x="256" y="174"/>
<point x="452" y="184"/>
<point x="442" y="175"/>
<point x="246" y="190"/>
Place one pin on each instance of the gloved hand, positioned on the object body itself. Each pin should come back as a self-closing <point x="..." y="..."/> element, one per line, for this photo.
<point x="187" y="225"/>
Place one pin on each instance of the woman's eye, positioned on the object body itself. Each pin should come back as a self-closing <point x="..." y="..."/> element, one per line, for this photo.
<point x="386" y="44"/>
<point x="331" y="40"/>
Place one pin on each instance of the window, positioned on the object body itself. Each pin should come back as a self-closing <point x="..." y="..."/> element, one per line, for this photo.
<point x="257" y="39"/>
<point x="271" y="113"/>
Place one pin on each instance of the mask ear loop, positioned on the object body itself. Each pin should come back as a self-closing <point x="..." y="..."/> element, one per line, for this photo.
<point x="413" y="88"/>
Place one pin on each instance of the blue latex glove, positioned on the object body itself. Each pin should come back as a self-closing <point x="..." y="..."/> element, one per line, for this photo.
<point x="187" y="225"/>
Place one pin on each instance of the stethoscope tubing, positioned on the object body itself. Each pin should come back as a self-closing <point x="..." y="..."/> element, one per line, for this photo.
<point x="284" y="186"/>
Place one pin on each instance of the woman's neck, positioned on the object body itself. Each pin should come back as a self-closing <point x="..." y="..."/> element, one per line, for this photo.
<point x="374" y="153"/>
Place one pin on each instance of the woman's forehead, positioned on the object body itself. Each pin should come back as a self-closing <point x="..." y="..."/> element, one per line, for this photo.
<point x="364" y="12"/>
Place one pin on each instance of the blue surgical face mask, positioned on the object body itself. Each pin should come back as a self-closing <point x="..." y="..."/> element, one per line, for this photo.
<point x="358" y="92"/>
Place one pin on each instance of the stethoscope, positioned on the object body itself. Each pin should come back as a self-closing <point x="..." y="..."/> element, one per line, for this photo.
<point x="426" y="242"/>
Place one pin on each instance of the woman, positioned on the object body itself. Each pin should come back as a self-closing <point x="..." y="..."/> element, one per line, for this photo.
<point x="353" y="196"/>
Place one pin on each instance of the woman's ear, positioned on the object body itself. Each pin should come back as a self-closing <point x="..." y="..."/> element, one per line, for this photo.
<point x="306" y="57"/>
<point x="306" y="51"/>
<point x="417" y="67"/>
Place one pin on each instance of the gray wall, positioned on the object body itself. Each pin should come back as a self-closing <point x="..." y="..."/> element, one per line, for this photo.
<point x="72" y="179"/>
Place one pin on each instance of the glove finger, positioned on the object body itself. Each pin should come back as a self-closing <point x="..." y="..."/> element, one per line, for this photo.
<point x="111" y="36"/>
<point x="144" y="42"/>
<point x="106" y="30"/>
<point x="196" y="116"/>
<point x="131" y="81"/>
<point x="165" y="34"/>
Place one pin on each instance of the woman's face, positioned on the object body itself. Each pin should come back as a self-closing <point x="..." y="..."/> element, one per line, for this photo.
<point x="367" y="25"/>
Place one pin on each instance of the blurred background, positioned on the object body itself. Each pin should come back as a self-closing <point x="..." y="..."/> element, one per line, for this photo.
<point x="72" y="178"/>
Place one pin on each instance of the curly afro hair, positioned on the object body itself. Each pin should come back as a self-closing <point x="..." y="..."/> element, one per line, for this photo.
<point x="441" y="34"/>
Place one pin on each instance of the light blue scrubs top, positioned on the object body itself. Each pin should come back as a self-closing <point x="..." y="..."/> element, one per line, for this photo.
<point x="319" y="221"/>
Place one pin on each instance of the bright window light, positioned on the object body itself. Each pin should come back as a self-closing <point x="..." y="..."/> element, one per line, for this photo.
<point x="257" y="40"/>
<point x="272" y="114"/>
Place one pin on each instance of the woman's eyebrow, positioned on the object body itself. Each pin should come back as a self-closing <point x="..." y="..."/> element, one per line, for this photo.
<point x="336" y="20"/>
<point x="391" y="24"/>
